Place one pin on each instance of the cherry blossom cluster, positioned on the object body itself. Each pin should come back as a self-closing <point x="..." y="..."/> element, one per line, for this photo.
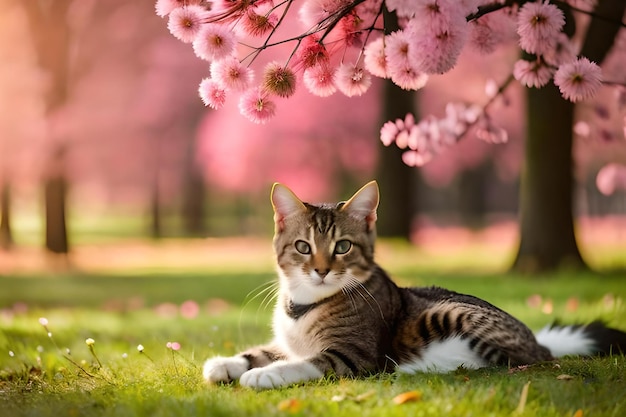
<point x="432" y="135"/>
<point x="342" y="44"/>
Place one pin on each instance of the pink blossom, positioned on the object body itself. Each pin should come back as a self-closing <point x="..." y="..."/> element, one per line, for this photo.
<point x="610" y="178"/>
<point x="230" y="74"/>
<point x="311" y="52"/>
<point x="259" y="21"/>
<point x="578" y="80"/>
<point x="436" y="44"/>
<point x="491" y="133"/>
<point x="211" y="94"/>
<point x="313" y="12"/>
<point x="256" y="106"/>
<point x="165" y="7"/>
<point x="416" y="158"/>
<point x="279" y="80"/>
<point x="388" y="133"/>
<point x="538" y="24"/>
<point x="213" y="42"/>
<point x="408" y="77"/>
<point x="189" y="309"/>
<point x="349" y="30"/>
<point x="375" y="59"/>
<point x="185" y="22"/>
<point x="319" y="80"/>
<point x="173" y="345"/>
<point x="532" y="74"/>
<point x="397" y="47"/>
<point x="352" y="80"/>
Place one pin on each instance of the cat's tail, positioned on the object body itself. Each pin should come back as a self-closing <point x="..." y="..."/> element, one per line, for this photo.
<point x="590" y="339"/>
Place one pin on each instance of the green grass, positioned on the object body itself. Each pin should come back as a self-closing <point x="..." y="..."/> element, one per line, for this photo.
<point x="121" y="310"/>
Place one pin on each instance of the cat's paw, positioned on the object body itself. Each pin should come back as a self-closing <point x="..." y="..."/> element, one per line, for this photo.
<point x="280" y="374"/>
<point x="220" y="369"/>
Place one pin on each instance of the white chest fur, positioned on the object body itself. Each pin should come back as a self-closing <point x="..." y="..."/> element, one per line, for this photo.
<point x="292" y="335"/>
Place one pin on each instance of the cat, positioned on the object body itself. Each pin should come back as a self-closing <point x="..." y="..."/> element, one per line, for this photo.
<point x="338" y="312"/>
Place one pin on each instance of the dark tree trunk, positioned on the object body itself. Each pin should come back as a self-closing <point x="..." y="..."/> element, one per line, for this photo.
<point x="397" y="180"/>
<point x="546" y="207"/>
<point x="194" y="186"/>
<point x="194" y="197"/>
<point x="156" y="228"/>
<point x="6" y="235"/>
<point x="55" y="197"/>
<point x="51" y="35"/>
<point x="546" y="195"/>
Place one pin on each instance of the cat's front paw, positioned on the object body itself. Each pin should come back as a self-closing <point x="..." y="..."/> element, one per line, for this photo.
<point x="280" y="374"/>
<point x="220" y="369"/>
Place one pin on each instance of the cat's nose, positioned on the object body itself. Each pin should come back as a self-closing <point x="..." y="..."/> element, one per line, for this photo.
<point x="322" y="272"/>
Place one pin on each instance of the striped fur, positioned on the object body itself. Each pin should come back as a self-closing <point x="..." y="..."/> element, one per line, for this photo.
<point x="339" y="313"/>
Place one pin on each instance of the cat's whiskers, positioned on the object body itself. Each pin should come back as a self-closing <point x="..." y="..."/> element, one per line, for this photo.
<point x="268" y="290"/>
<point x="356" y="285"/>
<point x="348" y="293"/>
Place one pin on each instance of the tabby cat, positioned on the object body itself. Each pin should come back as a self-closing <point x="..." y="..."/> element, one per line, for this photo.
<point x="339" y="312"/>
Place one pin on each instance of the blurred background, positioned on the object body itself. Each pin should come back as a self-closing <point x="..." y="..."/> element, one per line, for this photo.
<point x="107" y="153"/>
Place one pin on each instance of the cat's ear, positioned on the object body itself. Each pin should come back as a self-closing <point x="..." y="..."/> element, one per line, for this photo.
<point x="363" y="203"/>
<point x="285" y="203"/>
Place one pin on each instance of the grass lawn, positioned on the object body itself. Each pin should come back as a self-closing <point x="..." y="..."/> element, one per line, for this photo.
<point x="218" y="306"/>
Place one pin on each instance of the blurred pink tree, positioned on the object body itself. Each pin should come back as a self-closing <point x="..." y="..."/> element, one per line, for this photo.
<point x="342" y="44"/>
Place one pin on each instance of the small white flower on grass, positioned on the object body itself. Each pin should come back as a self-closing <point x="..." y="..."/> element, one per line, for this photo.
<point x="89" y="341"/>
<point x="11" y="353"/>
<point x="140" y="348"/>
<point x="43" y="321"/>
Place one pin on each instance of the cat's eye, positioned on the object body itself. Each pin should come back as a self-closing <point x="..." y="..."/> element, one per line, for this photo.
<point x="303" y="247"/>
<point x="342" y="247"/>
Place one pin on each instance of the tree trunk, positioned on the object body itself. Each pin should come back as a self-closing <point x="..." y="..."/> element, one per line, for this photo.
<point x="546" y="199"/>
<point x="397" y="180"/>
<point x="50" y="31"/>
<point x="55" y="196"/>
<point x="6" y="235"/>
<point x="546" y="195"/>
<point x="194" y="196"/>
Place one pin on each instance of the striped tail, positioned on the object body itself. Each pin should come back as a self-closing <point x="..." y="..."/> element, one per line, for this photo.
<point x="590" y="339"/>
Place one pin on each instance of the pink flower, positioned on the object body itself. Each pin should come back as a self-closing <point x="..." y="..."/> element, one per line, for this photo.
<point x="311" y="52"/>
<point x="578" y="80"/>
<point x="185" y="22"/>
<point x="538" y="25"/>
<point x="436" y="43"/>
<point x="256" y="106"/>
<point x="417" y="158"/>
<point x="189" y="309"/>
<point x="374" y="58"/>
<point x="349" y="30"/>
<point x="408" y="78"/>
<point x="214" y="42"/>
<point x="313" y="12"/>
<point x="388" y="133"/>
<point x="397" y="47"/>
<point x="230" y="74"/>
<point x="320" y="80"/>
<point x="211" y="94"/>
<point x="258" y="22"/>
<point x="610" y="178"/>
<point x="279" y="80"/>
<point x="173" y="345"/>
<point x="165" y="7"/>
<point x="352" y="80"/>
<point x="532" y="74"/>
